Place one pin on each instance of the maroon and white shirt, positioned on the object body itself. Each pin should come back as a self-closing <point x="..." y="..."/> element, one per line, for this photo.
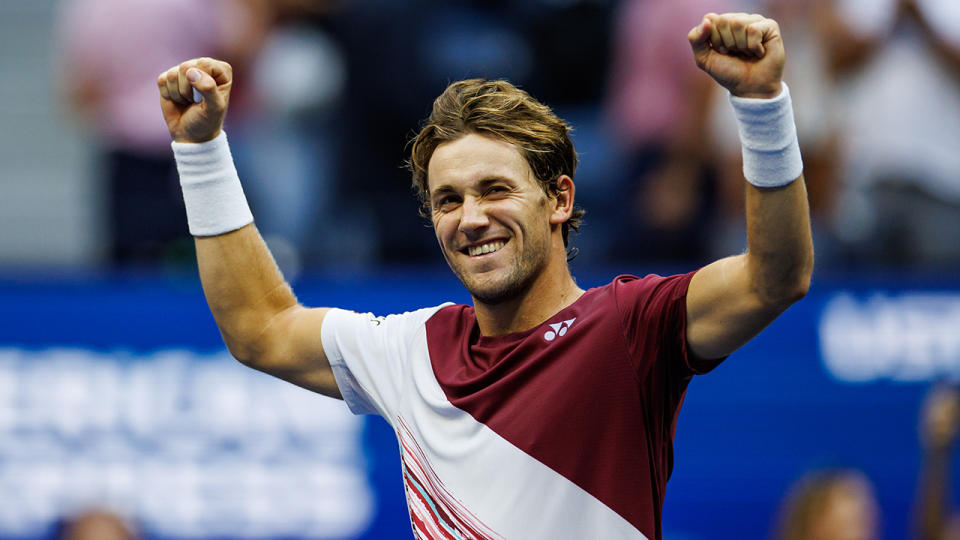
<point x="562" y="431"/>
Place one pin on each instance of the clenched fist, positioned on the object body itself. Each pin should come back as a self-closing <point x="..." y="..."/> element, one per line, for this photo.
<point x="742" y="52"/>
<point x="189" y="121"/>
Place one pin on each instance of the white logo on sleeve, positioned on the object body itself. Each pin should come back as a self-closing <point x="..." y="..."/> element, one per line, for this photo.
<point x="559" y="329"/>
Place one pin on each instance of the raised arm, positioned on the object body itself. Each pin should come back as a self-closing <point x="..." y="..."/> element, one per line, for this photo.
<point x="262" y="323"/>
<point x="732" y="300"/>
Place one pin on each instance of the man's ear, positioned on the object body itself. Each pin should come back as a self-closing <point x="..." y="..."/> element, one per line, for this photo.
<point x="563" y="203"/>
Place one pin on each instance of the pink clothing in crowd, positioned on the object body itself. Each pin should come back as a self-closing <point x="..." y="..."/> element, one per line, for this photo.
<point x="117" y="48"/>
<point x="653" y="68"/>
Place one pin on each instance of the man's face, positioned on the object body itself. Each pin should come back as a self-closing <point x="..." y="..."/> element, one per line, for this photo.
<point x="491" y="217"/>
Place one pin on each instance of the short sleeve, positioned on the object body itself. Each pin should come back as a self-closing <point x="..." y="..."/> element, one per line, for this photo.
<point x="369" y="356"/>
<point x="654" y="314"/>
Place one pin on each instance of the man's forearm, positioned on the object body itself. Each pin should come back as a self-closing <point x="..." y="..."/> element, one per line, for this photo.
<point x="779" y="242"/>
<point x="243" y="286"/>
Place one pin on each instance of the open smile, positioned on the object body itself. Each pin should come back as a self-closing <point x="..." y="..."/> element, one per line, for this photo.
<point x="485" y="248"/>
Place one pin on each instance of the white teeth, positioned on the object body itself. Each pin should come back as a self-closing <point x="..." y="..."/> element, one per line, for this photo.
<point x="485" y="248"/>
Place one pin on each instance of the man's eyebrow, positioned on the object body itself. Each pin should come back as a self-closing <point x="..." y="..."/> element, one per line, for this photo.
<point x="482" y="184"/>
<point x="446" y="188"/>
<point x="486" y="182"/>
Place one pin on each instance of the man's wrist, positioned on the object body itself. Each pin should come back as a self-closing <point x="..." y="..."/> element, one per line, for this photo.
<point x="766" y="93"/>
<point x="212" y="192"/>
<point x="185" y="139"/>
<point x="768" y="137"/>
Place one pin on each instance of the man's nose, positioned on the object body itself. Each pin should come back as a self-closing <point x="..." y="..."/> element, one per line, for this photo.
<point x="473" y="217"/>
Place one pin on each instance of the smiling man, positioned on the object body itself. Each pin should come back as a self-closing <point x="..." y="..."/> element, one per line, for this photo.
<point x="542" y="410"/>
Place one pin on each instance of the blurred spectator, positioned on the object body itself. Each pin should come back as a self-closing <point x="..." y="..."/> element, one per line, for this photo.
<point x="833" y="504"/>
<point x="110" y="54"/>
<point x="286" y="137"/>
<point x="658" y="107"/>
<point x="96" y="525"/>
<point x="897" y="66"/>
<point x="939" y="423"/>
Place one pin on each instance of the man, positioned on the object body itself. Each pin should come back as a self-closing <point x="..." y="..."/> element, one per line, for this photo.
<point x="542" y="411"/>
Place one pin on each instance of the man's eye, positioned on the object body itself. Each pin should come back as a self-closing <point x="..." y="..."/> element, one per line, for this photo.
<point x="497" y="189"/>
<point x="446" y="201"/>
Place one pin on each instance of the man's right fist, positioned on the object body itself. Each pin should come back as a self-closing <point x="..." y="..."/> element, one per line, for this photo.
<point x="189" y="121"/>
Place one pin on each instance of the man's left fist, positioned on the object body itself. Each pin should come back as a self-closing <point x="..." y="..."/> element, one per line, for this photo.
<point x="742" y="52"/>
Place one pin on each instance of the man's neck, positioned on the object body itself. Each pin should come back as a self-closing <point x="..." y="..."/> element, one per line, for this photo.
<point x="552" y="291"/>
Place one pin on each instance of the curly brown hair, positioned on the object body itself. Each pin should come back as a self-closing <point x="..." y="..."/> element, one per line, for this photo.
<point x="502" y="110"/>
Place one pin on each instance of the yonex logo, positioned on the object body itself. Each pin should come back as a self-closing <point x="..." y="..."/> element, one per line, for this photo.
<point x="559" y="329"/>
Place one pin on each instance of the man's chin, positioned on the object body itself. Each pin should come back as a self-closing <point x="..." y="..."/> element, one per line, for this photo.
<point x="496" y="290"/>
<point x="491" y="297"/>
<point x="494" y="286"/>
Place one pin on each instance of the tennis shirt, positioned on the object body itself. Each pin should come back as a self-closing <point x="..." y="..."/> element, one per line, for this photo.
<point x="562" y="431"/>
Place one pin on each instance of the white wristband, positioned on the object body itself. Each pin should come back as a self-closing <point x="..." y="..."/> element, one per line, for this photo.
<point x="211" y="188"/>
<point x="768" y="136"/>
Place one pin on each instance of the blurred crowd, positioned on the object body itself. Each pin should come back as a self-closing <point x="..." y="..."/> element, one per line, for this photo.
<point x="327" y="94"/>
<point x="841" y="504"/>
